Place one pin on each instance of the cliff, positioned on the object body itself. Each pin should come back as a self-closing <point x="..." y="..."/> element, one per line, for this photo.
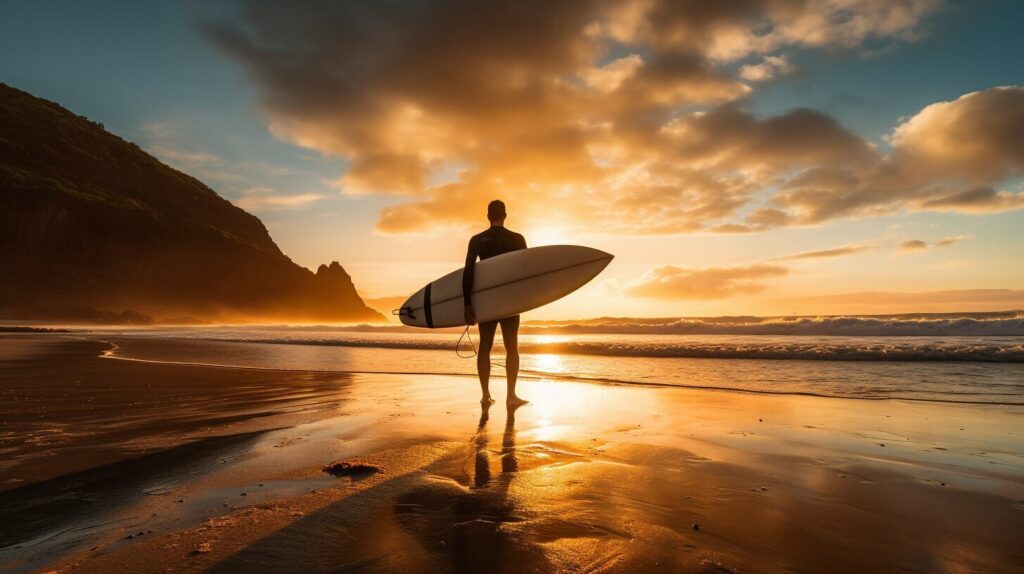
<point x="89" y="220"/>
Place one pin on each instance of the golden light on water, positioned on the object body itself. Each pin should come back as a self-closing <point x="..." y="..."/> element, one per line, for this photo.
<point x="549" y="363"/>
<point x="547" y="340"/>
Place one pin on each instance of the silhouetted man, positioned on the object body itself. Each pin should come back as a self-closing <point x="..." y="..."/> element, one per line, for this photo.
<point x="495" y="241"/>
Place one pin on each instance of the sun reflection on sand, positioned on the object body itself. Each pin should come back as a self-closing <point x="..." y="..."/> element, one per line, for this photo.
<point x="551" y="403"/>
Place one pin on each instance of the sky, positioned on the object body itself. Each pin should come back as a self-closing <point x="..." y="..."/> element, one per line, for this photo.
<point x="752" y="157"/>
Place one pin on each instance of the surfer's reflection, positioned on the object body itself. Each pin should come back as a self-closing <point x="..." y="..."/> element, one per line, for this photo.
<point x="482" y="458"/>
<point x="508" y="443"/>
<point x="462" y="530"/>
<point x="482" y="455"/>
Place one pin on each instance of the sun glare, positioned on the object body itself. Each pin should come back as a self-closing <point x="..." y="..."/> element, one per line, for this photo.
<point x="544" y="236"/>
<point x="549" y="363"/>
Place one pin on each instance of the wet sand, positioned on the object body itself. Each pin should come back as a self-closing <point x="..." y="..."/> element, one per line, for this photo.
<point x="63" y="409"/>
<point x="588" y="477"/>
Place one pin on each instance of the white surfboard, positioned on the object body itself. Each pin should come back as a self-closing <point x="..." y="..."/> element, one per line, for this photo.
<point x="505" y="285"/>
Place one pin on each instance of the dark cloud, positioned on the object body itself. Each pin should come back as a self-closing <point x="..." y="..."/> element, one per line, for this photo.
<point x="727" y="137"/>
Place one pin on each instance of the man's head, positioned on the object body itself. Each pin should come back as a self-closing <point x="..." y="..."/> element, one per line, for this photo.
<point x="496" y="211"/>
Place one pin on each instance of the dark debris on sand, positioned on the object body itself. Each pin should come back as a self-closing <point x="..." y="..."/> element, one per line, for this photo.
<point x="354" y="469"/>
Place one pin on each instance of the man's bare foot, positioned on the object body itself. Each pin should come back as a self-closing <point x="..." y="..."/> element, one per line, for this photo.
<point x="515" y="401"/>
<point x="487" y="401"/>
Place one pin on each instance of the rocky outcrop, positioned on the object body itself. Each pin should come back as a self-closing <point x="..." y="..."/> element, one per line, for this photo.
<point x="90" y="220"/>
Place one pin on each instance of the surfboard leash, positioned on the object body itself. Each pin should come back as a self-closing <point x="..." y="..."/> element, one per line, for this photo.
<point x="465" y="333"/>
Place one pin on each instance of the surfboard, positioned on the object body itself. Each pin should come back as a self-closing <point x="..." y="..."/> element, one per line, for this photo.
<point x="505" y="285"/>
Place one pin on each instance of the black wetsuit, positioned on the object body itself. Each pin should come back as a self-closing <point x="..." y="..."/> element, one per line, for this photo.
<point x="495" y="241"/>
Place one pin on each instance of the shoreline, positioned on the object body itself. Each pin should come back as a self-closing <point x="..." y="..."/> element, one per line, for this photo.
<point x="561" y="376"/>
<point x="604" y="476"/>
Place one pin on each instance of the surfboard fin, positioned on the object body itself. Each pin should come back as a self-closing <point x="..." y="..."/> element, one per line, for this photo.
<point x="403" y="312"/>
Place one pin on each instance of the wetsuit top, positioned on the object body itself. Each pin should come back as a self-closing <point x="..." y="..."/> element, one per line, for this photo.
<point x="495" y="241"/>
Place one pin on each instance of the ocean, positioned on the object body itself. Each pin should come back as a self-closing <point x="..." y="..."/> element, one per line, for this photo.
<point x="960" y="359"/>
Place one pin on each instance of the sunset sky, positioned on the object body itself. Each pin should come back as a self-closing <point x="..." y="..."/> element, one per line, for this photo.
<point x="749" y="157"/>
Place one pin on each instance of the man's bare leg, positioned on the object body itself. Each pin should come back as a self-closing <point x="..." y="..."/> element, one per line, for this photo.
<point x="483" y="358"/>
<point x="510" y="336"/>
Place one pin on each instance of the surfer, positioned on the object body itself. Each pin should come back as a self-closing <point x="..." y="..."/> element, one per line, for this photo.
<point x="494" y="241"/>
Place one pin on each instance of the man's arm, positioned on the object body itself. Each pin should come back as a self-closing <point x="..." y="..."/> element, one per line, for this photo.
<point x="467" y="281"/>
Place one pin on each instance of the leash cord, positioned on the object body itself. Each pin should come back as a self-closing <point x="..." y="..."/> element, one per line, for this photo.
<point x="469" y="338"/>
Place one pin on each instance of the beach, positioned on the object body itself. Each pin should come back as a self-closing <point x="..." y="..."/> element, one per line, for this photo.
<point x="745" y="278"/>
<point x="138" y="465"/>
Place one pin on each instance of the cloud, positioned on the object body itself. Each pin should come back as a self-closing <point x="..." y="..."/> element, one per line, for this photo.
<point x="912" y="245"/>
<point x="982" y="199"/>
<point x="168" y="142"/>
<point x="611" y="76"/>
<point x="916" y="245"/>
<point x="953" y="240"/>
<point x="947" y="157"/>
<point x="769" y="68"/>
<point x="264" y="199"/>
<point x="620" y="116"/>
<point x="733" y="30"/>
<point x="670" y="282"/>
<point x="976" y="138"/>
<point x="828" y="253"/>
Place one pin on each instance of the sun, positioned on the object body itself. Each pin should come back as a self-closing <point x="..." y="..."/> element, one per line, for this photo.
<point x="544" y="236"/>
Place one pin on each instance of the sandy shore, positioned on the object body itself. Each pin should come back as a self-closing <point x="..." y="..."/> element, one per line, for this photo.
<point x="220" y="470"/>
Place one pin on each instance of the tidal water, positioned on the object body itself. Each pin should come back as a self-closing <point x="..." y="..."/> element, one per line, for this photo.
<point x="963" y="368"/>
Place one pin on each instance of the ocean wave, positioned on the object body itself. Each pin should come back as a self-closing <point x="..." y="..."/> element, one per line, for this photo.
<point x="1011" y="352"/>
<point x="800" y="351"/>
<point x="982" y="324"/>
<point x="1008" y="325"/>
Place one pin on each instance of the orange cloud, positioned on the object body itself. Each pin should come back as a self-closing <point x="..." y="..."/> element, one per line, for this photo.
<point x="976" y="138"/>
<point x="619" y="116"/>
<point x="670" y="282"/>
<point x="953" y="240"/>
<point x="947" y="157"/>
<point x="828" y="253"/>
<point x="733" y="30"/>
<point x="912" y="245"/>
<point x="264" y="199"/>
<point x="769" y="68"/>
<point x="975" y="200"/>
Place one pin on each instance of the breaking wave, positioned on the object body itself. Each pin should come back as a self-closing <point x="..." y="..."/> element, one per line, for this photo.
<point x="664" y="347"/>
<point x="1012" y="353"/>
<point x="1000" y="325"/>
<point x="981" y="337"/>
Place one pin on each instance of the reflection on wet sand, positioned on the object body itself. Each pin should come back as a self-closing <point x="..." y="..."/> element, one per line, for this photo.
<point x="474" y="529"/>
<point x="508" y="443"/>
<point x="482" y="468"/>
<point x="482" y="455"/>
<point x="605" y="479"/>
